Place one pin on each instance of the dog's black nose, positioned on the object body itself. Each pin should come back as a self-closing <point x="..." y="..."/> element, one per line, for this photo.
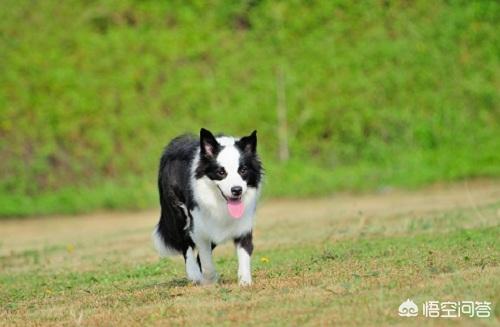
<point x="236" y="190"/>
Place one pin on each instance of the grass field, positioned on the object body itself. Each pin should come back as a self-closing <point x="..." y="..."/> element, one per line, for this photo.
<point x="378" y="94"/>
<point x="348" y="260"/>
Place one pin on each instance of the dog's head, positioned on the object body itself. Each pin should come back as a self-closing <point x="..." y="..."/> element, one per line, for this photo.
<point x="232" y="165"/>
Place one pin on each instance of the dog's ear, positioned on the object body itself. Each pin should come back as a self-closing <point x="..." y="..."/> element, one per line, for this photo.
<point x="248" y="143"/>
<point x="208" y="143"/>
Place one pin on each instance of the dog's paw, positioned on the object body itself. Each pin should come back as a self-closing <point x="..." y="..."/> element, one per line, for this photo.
<point x="245" y="280"/>
<point x="196" y="281"/>
<point x="245" y="283"/>
<point x="206" y="282"/>
<point x="209" y="279"/>
<point x="195" y="276"/>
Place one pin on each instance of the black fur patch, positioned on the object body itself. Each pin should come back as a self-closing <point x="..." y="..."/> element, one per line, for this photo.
<point x="209" y="149"/>
<point x="245" y="241"/>
<point x="174" y="186"/>
<point x="248" y="149"/>
<point x="208" y="167"/>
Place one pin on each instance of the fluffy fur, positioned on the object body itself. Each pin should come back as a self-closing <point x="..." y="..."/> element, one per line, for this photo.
<point x="197" y="180"/>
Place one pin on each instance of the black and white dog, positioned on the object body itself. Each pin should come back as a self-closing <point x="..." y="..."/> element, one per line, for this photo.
<point x="209" y="189"/>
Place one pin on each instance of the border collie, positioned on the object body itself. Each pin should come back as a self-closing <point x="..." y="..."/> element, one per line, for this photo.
<point x="209" y="189"/>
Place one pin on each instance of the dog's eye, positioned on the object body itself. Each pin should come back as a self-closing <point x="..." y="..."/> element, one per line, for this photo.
<point x="243" y="170"/>
<point x="221" y="172"/>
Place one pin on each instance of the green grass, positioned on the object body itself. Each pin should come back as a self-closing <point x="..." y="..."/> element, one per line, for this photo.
<point x="378" y="94"/>
<point x="350" y="269"/>
<point x="427" y="255"/>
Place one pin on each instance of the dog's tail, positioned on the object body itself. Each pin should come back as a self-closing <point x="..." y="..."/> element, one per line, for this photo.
<point x="160" y="245"/>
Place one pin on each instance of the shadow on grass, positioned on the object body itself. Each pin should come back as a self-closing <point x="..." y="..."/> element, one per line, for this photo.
<point x="175" y="282"/>
<point x="183" y="282"/>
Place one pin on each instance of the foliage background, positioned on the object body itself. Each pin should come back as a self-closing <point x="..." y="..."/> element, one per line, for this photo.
<point x="378" y="94"/>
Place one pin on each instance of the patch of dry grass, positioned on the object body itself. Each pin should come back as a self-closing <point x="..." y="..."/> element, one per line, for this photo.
<point x="343" y="261"/>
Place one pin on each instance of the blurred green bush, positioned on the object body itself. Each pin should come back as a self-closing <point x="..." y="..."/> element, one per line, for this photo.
<point x="378" y="93"/>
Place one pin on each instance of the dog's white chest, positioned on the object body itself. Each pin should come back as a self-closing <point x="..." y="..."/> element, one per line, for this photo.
<point x="211" y="219"/>
<point x="219" y="227"/>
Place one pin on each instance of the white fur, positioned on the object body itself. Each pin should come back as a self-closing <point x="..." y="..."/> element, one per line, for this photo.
<point x="192" y="269"/>
<point x="207" y="265"/>
<point x="225" y="140"/>
<point x="244" y="271"/>
<point x="186" y="213"/>
<point x="211" y="219"/>
<point x="160" y="246"/>
<point x="229" y="158"/>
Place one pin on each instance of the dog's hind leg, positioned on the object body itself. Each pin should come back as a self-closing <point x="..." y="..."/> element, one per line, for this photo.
<point x="192" y="268"/>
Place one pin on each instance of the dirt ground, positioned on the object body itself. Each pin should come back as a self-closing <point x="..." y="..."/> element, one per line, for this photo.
<point x="341" y="260"/>
<point x="283" y="217"/>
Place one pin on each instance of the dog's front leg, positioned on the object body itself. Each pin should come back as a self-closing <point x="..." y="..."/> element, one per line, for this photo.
<point x="192" y="269"/>
<point x="207" y="264"/>
<point x="244" y="249"/>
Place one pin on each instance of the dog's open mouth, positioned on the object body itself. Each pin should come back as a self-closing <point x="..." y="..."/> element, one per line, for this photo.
<point x="235" y="205"/>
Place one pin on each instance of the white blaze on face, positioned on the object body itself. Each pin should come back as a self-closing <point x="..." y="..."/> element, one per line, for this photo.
<point x="225" y="140"/>
<point x="229" y="158"/>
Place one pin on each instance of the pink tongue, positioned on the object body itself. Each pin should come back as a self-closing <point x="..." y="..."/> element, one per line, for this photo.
<point x="235" y="208"/>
